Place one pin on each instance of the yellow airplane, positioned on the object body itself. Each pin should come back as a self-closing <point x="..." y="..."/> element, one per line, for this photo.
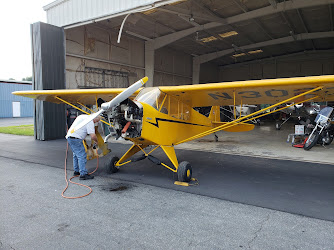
<point x="163" y="117"/>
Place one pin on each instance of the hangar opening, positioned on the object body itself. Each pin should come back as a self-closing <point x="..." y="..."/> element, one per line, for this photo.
<point x="114" y="43"/>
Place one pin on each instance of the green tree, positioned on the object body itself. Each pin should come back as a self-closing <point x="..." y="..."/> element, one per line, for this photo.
<point x="29" y="78"/>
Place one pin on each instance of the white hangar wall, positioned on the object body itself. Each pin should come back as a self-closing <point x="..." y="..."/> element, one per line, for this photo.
<point x="301" y="64"/>
<point x="95" y="59"/>
<point x="68" y="12"/>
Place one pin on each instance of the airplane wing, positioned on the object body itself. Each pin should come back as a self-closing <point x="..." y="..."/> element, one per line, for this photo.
<point x="84" y="96"/>
<point x="267" y="91"/>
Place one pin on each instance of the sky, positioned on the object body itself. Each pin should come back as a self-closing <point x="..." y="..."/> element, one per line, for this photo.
<point x="15" y="46"/>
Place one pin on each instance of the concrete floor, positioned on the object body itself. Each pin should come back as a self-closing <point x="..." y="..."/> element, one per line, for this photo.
<point x="265" y="142"/>
<point x="161" y="215"/>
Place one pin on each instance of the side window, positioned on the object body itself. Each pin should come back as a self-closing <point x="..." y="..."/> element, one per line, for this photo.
<point x="177" y="109"/>
<point x="165" y="105"/>
<point x="160" y="101"/>
<point x="186" y="112"/>
<point x="173" y="107"/>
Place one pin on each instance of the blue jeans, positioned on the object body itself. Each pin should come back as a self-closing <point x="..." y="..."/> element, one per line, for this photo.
<point x="79" y="155"/>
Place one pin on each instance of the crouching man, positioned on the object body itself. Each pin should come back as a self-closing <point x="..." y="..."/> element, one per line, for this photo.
<point x="75" y="140"/>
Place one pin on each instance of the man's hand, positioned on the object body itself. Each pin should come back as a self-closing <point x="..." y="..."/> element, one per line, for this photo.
<point x="94" y="139"/>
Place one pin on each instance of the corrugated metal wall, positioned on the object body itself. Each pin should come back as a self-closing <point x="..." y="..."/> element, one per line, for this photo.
<point x="48" y="46"/>
<point x="63" y="13"/>
<point x="6" y="99"/>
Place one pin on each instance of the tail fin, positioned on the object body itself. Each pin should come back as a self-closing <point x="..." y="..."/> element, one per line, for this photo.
<point x="215" y="114"/>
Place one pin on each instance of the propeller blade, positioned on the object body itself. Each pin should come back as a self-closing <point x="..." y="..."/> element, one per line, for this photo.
<point x="108" y="105"/>
<point x="87" y="120"/>
<point x="124" y="94"/>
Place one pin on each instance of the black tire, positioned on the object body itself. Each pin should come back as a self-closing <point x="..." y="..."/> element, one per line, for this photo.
<point x="110" y="165"/>
<point x="326" y="138"/>
<point x="310" y="142"/>
<point x="184" y="171"/>
<point x="330" y="140"/>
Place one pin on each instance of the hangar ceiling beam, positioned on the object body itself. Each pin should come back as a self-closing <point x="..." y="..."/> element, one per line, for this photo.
<point x="273" y="3"/>
<point x="284" y="6"/>
<point x="198" y="60"/>
<point x="291" y="27"/>
<point x="137" y="35"/>
<point x="297" y="37"/>
<point x="257" y="22"/>
<point x="304" y="25"/>
<point x="190" y="13"/>
<point x="211" y="12"/>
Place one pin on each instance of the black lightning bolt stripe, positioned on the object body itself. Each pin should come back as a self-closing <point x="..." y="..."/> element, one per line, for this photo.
<point x="167" y="120"/>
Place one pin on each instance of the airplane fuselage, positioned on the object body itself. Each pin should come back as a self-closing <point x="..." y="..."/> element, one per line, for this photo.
<point x="155" y="118"/>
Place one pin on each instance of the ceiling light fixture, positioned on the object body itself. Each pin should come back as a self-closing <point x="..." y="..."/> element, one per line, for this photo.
<point x="237" y="55"/>
<point x="255" y="51"/>
<point x="228" y="34"/>
<point x="208" y="39"/>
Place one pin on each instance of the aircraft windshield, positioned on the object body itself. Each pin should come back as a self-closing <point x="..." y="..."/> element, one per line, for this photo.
<point x="152" y="96"/>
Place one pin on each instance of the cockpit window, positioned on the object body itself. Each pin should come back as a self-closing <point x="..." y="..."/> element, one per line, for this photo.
<point x="152" y="96"/>
<point x="166" y="104"/>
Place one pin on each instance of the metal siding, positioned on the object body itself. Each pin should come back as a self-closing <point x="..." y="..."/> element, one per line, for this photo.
<point x="75" y="11"/>
<point x="6" y="99"/>
<point x="49" y="73"/>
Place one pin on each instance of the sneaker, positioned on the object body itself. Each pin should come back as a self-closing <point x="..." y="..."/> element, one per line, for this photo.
<point x="76" y="173"/>
<point x="86" y="177"/>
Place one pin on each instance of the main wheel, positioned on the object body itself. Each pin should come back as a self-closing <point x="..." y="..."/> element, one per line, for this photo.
<point x="110" y="164"/>
<point x="184" y="171"/>
<point x="311" y="141"/>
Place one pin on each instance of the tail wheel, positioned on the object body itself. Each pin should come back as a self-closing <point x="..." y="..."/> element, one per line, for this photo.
<point x="184" y="171"/>
<point x="110" y="164"/>
<point x="311" y="141"/>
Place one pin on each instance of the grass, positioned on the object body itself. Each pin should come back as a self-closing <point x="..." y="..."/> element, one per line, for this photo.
<point x="18" y="130"/>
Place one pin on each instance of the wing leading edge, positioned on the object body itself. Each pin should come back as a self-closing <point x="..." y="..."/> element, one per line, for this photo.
<point x="267" y="91"/>
<point x="84" y="96"/>
<point x="211" y="94"/>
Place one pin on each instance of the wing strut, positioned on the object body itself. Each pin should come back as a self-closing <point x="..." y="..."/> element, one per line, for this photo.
<point x="78" y="108"/>
<point x="250" y="116"/>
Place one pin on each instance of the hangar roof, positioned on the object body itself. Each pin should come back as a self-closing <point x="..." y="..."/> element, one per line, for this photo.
<point x="222" y="31"/>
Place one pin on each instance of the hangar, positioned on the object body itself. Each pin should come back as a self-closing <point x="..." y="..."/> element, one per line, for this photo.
<point x="94" y="44"/>
<point x="11" y="105"/>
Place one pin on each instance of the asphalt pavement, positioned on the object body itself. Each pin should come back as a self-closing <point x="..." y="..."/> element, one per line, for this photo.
<point x="4" y="122"/>
<point x="238" y="203"/>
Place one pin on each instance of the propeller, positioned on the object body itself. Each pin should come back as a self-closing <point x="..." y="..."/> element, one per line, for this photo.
<point x="108" y="105"/>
